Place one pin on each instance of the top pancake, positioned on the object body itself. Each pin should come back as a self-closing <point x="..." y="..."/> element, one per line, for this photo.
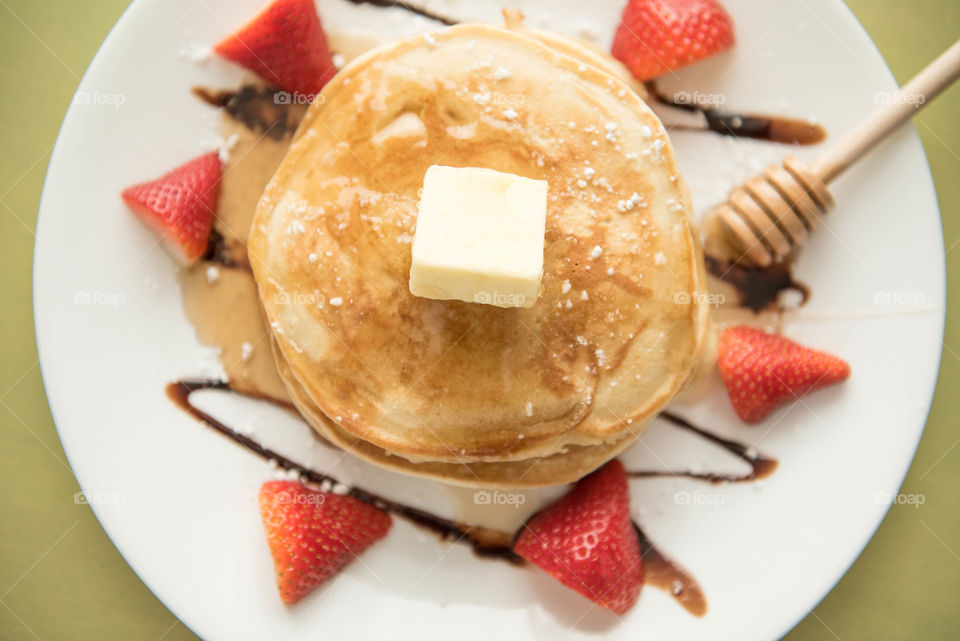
<point x="619" y="324"/>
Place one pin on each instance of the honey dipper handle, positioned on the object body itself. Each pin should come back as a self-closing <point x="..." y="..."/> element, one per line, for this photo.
<point x="921" y="89"/>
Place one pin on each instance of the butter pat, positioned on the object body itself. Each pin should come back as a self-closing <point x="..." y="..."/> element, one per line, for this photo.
<point x="479" y="237"/>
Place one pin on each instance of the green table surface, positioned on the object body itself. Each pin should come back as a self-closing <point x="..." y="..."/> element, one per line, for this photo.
<point x="61" y="578"/>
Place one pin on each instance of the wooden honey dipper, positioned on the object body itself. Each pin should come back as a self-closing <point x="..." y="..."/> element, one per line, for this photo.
<point x="771" y="215"/>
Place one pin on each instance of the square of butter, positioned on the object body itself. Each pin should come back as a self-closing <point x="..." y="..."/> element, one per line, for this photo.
<point x="479" y="237"/>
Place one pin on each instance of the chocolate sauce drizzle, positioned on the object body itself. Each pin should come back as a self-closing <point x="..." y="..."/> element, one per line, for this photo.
<point x="659" y="571"/>
<point x="780" y="129"/>
<point x="760" y="466"/>
<point x="662" y="573"/>
<point x="226" y="252"/>
<point x="759" y="288"/>
<point x="386" y="4"/>
<point x="265" y="110"/>
<point x="484" y="541"/>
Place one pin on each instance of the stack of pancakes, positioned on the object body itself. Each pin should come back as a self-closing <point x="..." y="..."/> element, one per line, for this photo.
<point x="469" y="393"/>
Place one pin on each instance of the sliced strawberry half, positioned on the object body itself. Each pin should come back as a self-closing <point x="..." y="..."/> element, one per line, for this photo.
<point x="762" y="371"/>
<point x="181" y="205"/>
<point x="587" y="541"/>
<point x="285" y="45"/>
<point x="657" y="36"/>
<point x="314" y="535"/>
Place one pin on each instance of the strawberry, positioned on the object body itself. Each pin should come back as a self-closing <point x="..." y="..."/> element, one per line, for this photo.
<point x="587" y="541"/>
<point x="763" y="371"/>
<point x="313" y="535"/>
<point x="285" y="45"/>
<point x="181" y="205"/>
<point x="657" y="36"/>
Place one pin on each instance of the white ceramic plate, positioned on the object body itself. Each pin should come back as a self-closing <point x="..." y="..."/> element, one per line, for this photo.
<point x="179" y="500"/>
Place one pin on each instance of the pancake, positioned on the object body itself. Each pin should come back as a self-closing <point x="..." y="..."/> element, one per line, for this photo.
<point x="565" y="467"/>
<point x="472" y="393"/>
